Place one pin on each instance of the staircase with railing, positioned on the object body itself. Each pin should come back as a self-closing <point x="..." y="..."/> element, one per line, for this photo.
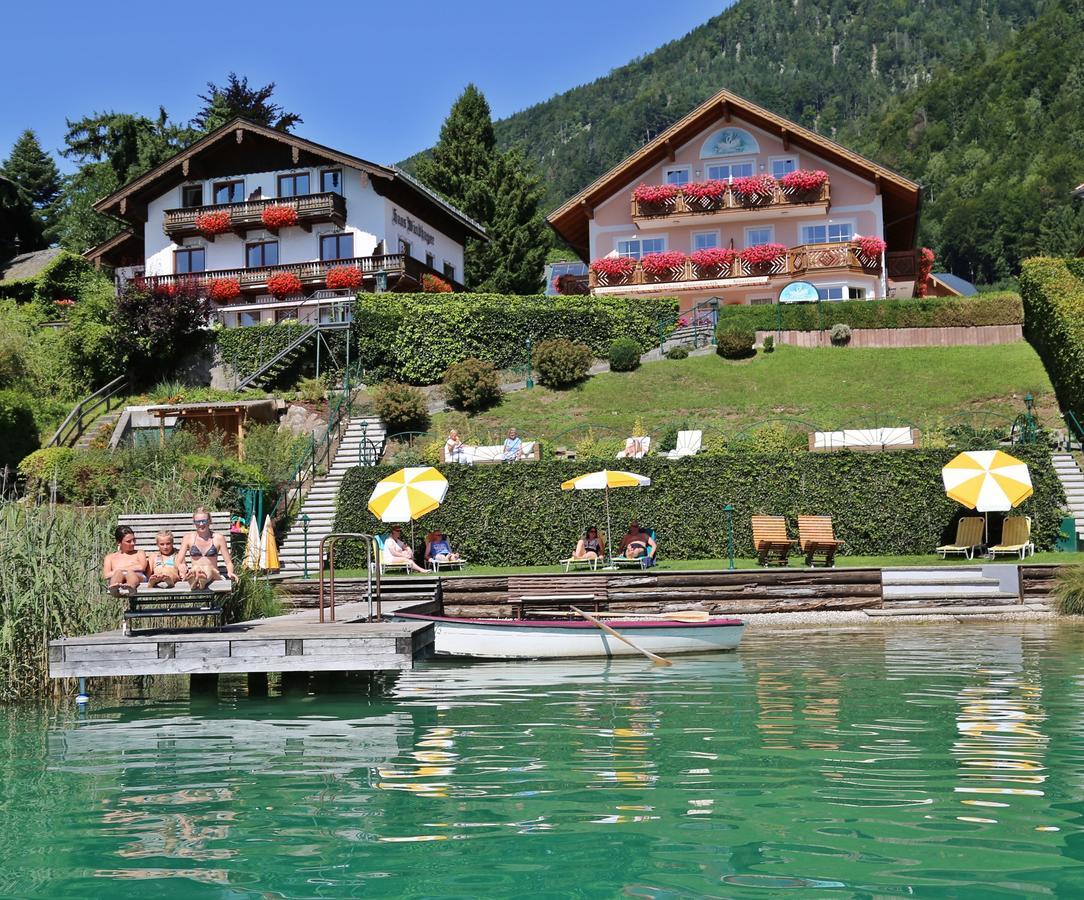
<point x="88" y="411"/>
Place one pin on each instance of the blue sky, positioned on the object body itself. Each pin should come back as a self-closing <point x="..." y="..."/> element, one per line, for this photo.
<point x="373" y="80"/>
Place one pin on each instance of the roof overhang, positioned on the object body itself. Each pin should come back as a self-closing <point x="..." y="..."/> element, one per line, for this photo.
<point x="123" y="249"/>
<point x="901" y="196"/>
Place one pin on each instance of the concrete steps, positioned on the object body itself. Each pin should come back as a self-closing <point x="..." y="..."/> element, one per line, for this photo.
<point x="946" y="586"/>
<point x="98" y="428"/>
<point x="1072" y="482"/>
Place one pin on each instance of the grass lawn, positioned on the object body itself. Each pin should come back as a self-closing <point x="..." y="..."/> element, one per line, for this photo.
<point x="686" y="565"/>
<point x="827" y="387"/>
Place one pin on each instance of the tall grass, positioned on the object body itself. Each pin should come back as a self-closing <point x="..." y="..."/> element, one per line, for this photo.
<point x="1069" y="591"/>
<point x="49" y="587"/>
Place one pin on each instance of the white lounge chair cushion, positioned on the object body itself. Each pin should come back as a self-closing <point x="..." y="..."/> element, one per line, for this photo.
<point x="492" y="453"/>
<point x="863" y="437"/>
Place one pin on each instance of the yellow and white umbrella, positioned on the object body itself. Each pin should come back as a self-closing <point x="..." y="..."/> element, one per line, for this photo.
<point x="252" y="546"/>
<point x="603" y="481"/>
<point x="269" y="548"/>
<point x="408" y="494"/>
<point x="987" y="480"/>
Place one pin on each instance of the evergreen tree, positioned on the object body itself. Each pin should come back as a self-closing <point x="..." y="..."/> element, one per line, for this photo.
<point x="497" y="190"/>
<point x="38" y="180"/>
<point x="18" y="230"/>
<point x="236" y="98"/>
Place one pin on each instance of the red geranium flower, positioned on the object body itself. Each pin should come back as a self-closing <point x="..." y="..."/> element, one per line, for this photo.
<point x="871" y="247"/>
<point x="705" y="190"/>
<point x="275" y="217"/>
<point x="714" y="258"/>
<point x="662" y="263"/>
<point x="213" y="223"/>
<point x="763" y="254"/>
<point x="284" y="284"/>
<point x="344" y="278"/>
<point x="613" y="266"/>
<point x="802" y="180"/>
<point x="755" y="187"/>
<point x="222" y="290"/>
<point x="655" y="194"/>
<point x="434" y="284"/>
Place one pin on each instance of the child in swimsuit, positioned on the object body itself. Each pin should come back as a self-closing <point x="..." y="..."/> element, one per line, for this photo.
<point x="165" y="572"/>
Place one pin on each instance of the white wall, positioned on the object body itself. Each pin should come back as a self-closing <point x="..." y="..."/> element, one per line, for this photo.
<point x="443" y="247"/>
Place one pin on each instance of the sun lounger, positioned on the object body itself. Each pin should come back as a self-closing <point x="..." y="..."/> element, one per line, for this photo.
<point x="474" y="454"/>
<point x="1015" y="537"/>
<point x="688" y="444"/>
<point x="635" y="448"/>
<point x="968" y="538"/>
<point x="386" y="561"/>
<point x="771" y="541"/>
<point x="572" y="562"/>
<point x="816" y="539"/>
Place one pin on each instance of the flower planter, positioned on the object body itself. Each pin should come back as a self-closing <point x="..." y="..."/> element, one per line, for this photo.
<point x="714" y="262"/>
<point x="344" y="278"/>
<point x="276" y="217"/>
<point x="754" y="190"/>
<point x="803" y="185"/>
<point x="434" y="284"/>
<point x="655" y="199"/>
<point x="211" y="224"/>
<point x="284" y="284"/>
<point x="869" y="250"/>
<point x="661" y="267"/>
<point x="613" y="270"/>
<point x="705" y="196"/>
<point x="222" y="290"/>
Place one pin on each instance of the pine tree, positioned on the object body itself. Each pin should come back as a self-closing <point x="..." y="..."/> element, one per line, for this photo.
<point x="493" y="188"/>
<point x="38" y="181"/>
<point x="236" y="98"/>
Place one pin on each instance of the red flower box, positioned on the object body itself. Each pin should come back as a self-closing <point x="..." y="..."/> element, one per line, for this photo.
<point x="613" y="266"/>
<point x="222" y="290"/>
<point x="705" y="190"/>
<point x="804" y="181"/>
<point x="715" y="259"/>
<point x="275" y="217"/>
<point x="755" y="187"/>
<point x="871" y="247"/>
<point x="344" y="278"/>
<point x="655" y="194"/>
<point x="434" y="284"/>
<point x="284" y="284"/>
<point x="64" y="301"/>
<point x="662" y="264"/>
<point x="763" y="254"/>
<point x="213" y="223"/>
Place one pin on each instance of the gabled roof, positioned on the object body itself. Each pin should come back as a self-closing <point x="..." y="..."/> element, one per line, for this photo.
<point x="901" y="195"/>
<point x="119" y="250"/>
<point x="271" y="149"/>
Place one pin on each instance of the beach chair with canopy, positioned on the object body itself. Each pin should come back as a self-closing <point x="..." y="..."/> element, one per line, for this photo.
<point x="816" y="539"/>
<point x="771" y="541"/>
<point x="968" y="538"/>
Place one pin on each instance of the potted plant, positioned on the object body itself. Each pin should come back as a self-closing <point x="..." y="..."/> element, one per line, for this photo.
<point x="283" y="284"/>
<point x="344" y="278"/>
<point x="655" y="199"/>
<point x="705" y="195"/>
<point x="276" y="217"/>
<point x="803" y="183"/>
<point x="665" y="266"/>
<point x="212" y="223"/>
<point x="760" y="257"/>
<point x="754" y="190"/>
<point x="612" y="270"/>
<point x="870" y="250"/>
<point x="713" y="262"/>
<point x="222" y="290"/>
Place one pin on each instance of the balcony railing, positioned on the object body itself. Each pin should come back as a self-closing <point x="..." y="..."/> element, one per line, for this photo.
<point x="797" y="262"/>
<point x="731" y="201"/>
<point x="312" y="274"/>
<point x="310" y="209"/>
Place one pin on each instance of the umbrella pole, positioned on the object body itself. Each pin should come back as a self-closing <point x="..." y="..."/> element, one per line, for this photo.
<point x="609" y="530"/>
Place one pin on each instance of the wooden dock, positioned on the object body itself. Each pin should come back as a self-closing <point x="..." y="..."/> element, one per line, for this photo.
<point x="296" y="642"/>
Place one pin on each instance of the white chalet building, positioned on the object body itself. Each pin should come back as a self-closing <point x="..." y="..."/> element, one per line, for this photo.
<point x="247" y="203"/>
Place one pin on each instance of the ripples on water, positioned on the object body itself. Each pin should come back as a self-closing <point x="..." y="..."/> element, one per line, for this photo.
<point x="904" y="761"/>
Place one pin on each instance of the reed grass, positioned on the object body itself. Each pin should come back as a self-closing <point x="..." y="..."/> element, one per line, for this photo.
<point x="1069" y="591"/>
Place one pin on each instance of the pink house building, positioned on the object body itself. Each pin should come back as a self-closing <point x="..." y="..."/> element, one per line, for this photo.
<point x="736" y="203"/>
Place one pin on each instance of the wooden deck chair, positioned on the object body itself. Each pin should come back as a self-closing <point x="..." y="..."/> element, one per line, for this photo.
<point x="437" y="564"/>
<point x="386" y="561"/>
<point x="815" y="538"/>
<point x="968" y="538"/>
<point x="572" y="562"/>
<point x="1015" y="537"/>
<point x="770" y="540"/>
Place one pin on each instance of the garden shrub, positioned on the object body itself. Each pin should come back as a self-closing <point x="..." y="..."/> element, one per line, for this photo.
<point x="1054" y="301"/>
<point x="18" y="433"/>
<point x="840" y="335"/>
<point x="312" y="390"/>
<point x="735" y="343"/>
<point x="42" y="466"/>
<point x="416" y="337"/>
<point x="1069" y="591"/>
<point x="678" y="352"/>
<point x="881" y="503"/>
<point x="472" y="385"/>
<point x="66" y="281"/>
<point x="769" y="344"/>
<point x="561" y="363"/>
<point x="624" y="355"/>
<point x="401" y="407"/>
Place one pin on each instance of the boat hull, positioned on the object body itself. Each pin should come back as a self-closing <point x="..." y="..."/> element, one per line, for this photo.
<point x="535" y="639"/>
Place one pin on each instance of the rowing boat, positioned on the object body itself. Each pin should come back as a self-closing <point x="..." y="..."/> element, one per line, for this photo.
<point x="558" y="639"/>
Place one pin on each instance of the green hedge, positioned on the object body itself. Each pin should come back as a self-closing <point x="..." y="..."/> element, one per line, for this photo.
<point x="881" y="503"/>
<point x="21" y="290"/>
<point x="416" y="337"/>
<point x="983" y="309"/>
<point x="18" y="432"/>
<point x="246" y="349"/>
<point x="1054" y="301"/>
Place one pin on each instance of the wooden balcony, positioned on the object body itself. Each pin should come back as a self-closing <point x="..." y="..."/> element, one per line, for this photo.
<point x="798" y="262"/>
<point x="682" y="210"/>
<point x="311" y="209"/>
<point x="404" y="273"/>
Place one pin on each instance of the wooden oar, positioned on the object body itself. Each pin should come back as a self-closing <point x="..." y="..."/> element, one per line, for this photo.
<point x="680" y="615"/>
<point x="655" y="658"/>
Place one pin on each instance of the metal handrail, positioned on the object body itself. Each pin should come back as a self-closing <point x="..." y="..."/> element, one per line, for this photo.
<point x="352" y="535"/>
<point x="1074" y="428"/>
<point x="284" y="352"/>
<point x="73" y="424"/>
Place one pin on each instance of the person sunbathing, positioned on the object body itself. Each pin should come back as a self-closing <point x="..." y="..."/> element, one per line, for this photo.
<point x="636" y="542"/>
<point x="165" y="572"/>
<point x="125" y="569"/>
<point x="205" y="547"/>
<point x="512" y="448"/>
<point x="397" y="548"/>
<point x="589" y="546"/>
<point x="438" y="548"/>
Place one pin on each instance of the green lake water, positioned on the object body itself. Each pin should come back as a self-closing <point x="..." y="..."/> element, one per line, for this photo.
<point x="921" y="761"/>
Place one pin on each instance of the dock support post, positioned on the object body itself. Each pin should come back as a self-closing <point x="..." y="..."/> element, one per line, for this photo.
<point x="257" y="684"/>
<point x="82" y="698"/>
<point x="295" y="682"/>
<point x="203" y="684"/>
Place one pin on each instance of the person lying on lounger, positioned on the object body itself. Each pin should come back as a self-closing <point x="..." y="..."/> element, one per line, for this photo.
<point x="589" y="546"/>
<point x="636" y="542"/>
<point x="438" y="548"/>
<point x="397" y="548"/>
<point x="126" y="568"/>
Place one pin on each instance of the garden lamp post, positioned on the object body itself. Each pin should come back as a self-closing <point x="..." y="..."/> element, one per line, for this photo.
<point x="530" y="380"/>
<point x="714" y="304"/>
<point x="729" y="510"/>
<point x="305" y="534"/>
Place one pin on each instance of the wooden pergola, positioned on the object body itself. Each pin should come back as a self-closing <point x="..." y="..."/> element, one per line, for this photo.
<point x="228" y="417"/>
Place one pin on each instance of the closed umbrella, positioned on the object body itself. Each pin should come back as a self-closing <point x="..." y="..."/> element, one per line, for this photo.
<point x="252" y="546"/>
<point x="603" y="481"/>
<point x="269" y="548"/>
<point x="408" y="494"/>
<point x="987" y="480"/>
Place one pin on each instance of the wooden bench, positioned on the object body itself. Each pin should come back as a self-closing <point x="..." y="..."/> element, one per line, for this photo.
<point x="557" y="592"/>
<point x="180" y="601"/>
<point x="816" y="538"/>
<point x="771" y="541"/>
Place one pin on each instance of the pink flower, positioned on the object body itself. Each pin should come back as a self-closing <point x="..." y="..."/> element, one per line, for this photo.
<point x="871" y="247"/>
<point x="714" y="258"/>
<point x="755" y="187"/>
<point x="705" y="190"/>
<point x="763" y="254"/>
<point x="662" y="263"/>
<point x="613" y="266"/>
<point x="804" y="180"/>
<point x="655" y="194"/>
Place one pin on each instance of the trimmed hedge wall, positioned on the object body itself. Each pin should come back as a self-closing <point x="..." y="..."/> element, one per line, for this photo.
<point x="246" y="348"/>
<point x="1054" y="301"/>
<point x="415" y="337"/>
<point x="881" y="503"/>
<point x="18" y="432"/>
<point x="989" y="309"/>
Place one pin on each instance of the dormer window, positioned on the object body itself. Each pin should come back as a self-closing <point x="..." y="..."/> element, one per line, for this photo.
<point x="229" y="191"/>
<point x="294" y="185"/>
<point x="191" y="195"/>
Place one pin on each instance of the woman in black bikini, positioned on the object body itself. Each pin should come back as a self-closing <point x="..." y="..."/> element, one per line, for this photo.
<point x="204" y="547"/>
<point x="589" y="546"/>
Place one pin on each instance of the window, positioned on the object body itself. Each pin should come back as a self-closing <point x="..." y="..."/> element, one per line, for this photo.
<point x="404" y="247"/>
<point x="191" y="195"/>
<point x="294" y="185"/>
<point x="331" y="181"/>
<point x="262" y="253"/>
<point x="248" y="318"/>
<point x="761" y="301"/>
<point x="705" y="240"/>
<point x="637" y="247"/>
<point x="229" y="191"/>
<point x="856" y="293"/>
<point x="336" y="246"/>
<point x="449" y="270"/>
<point x="833" y="233"/>
<point x="760" y="235"/>
<point x="783" y="164"/>
<point x="676" y="175"/>
<point x="830" y="293"/>
<point x="189" y="259"/>
<point x="429" y="260"/>
<point x="729" y="171"/>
